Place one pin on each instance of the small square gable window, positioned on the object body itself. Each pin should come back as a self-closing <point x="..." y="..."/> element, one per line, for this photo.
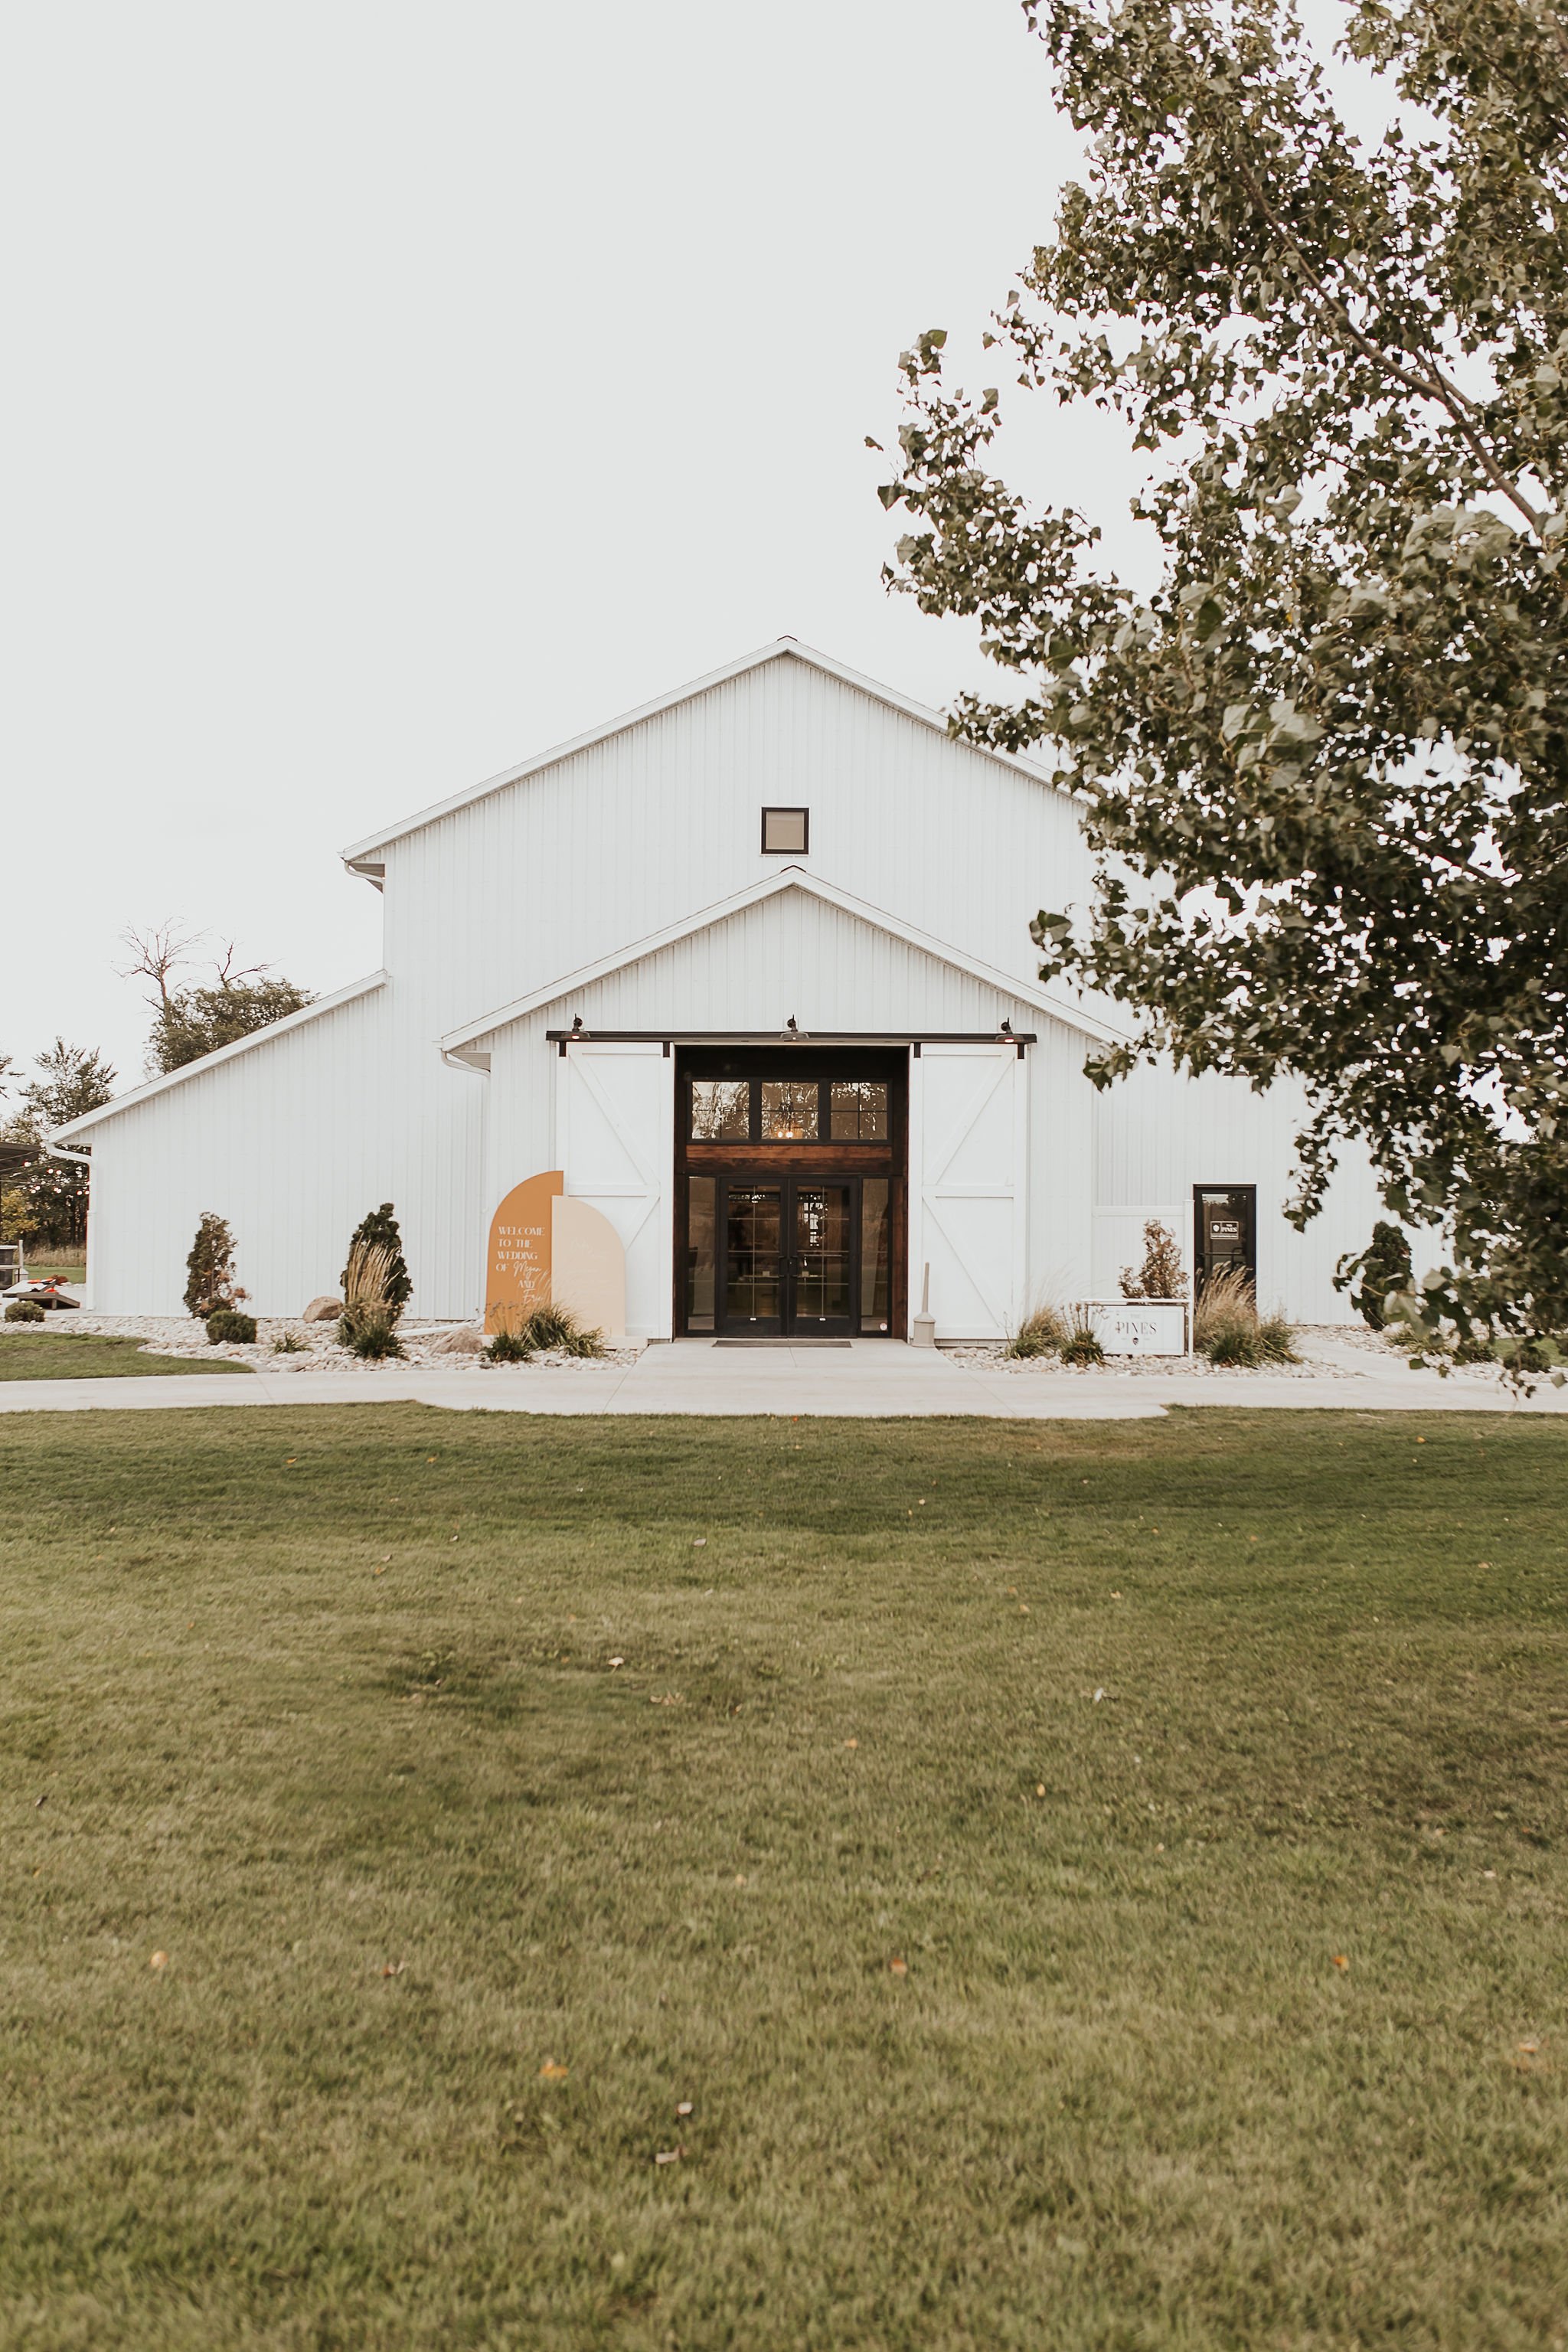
<point x="785" y="830"/>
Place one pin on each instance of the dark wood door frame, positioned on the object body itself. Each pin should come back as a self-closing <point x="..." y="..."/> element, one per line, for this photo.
<point x="788" y="1323"/>
<point x="799" y="1162"/>
<point x="1246" y="1197"/>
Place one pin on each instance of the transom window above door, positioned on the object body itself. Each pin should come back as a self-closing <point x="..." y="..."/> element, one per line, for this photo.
<point x="787" y="1110"/>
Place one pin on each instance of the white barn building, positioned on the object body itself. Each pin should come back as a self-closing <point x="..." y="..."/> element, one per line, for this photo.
<point x="591" y="964"/>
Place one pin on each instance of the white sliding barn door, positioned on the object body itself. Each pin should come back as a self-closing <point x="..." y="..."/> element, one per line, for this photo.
<point x="968" y="1140"/>
<point x="615" y="1137"/>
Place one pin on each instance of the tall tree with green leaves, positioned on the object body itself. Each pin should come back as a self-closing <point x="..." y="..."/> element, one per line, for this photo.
<point x="190" y="1021"/>
<point x="68" y="1081"/>
<point x="1323" y="762"/>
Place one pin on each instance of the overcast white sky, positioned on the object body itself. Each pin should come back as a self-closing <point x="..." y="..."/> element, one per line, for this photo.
<point x="394" y="390"/>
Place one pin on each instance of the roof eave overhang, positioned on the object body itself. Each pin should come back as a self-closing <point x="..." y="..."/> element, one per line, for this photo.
<point x="276" y="1029"/>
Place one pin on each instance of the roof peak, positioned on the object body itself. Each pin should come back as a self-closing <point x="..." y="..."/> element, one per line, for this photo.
<point x="360" y="852"/>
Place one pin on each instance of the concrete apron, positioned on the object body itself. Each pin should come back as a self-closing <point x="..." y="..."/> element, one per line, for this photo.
<point x="875" y="1378"/>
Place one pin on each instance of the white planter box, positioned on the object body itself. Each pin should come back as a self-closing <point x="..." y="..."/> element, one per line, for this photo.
<point x="1138" y="1327"/>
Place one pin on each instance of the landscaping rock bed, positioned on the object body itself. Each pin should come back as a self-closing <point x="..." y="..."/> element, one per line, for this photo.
<point x="320" y="1349"/>
<point x="1147" y="1368"/>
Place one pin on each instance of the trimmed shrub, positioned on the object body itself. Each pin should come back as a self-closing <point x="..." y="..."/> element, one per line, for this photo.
<point x="1162" y="1274"/>
<point x="209" y="1269"/>
<point x="1043" y="1333"/>
<point x="1081" y="1347"/>
<point x="24" y="1310"/>
<point x="227" y="1327"/>
<point x="379" y="1232"/>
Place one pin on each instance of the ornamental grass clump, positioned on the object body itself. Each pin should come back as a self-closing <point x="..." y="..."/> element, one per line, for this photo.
<point x="1042" y="1333"/>
<point x="1228" y="1329"/>
<point x="368" y="1325"/>
<point x="521" y="1337"/>
<point x="558" y="1327"/>
<point x="379" y="1231"/>
<point x="510" y="1345"/>
<point x="1081" y="1347"/>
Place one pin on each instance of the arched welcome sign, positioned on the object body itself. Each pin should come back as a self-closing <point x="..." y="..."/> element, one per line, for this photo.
<point x="546" y="1247"/>
<point x="521" y="1261"/>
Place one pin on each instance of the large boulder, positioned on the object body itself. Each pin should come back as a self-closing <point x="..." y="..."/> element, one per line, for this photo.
<point x="462" y="1341"/>
<point x="322" y="1310"/>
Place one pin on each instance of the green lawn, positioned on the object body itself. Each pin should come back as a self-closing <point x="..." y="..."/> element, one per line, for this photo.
<point x="969" y="1820"/>
<point x="27" y="1353"/>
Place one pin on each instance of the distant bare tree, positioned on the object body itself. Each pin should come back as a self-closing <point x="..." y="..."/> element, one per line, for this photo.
<point x="190" y="1021"/>
<point x="157" y="952"/>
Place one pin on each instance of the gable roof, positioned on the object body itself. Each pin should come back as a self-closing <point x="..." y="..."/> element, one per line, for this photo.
<point x="1061" y="1007"/>
<point x="363" y="856"/>
<point x="199" y="1068"/>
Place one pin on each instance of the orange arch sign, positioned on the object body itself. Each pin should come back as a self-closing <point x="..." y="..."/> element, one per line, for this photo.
<point x="518" y="1268"/>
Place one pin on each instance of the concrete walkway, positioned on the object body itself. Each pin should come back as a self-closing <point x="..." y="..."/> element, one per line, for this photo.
<point x="871" y="1377"/>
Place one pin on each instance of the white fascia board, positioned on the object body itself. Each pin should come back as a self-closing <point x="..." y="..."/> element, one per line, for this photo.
<point x="363" y="856"/>
<point x="139" y="1095"/>
<point x="788" y="878"/>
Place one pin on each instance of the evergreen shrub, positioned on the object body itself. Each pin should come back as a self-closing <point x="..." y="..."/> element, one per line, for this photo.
<point x="1383" y="1266"/>
<point x="209" y="1269"/>
<point x="24" y="1310"/>
<point x="226" y="1327"/>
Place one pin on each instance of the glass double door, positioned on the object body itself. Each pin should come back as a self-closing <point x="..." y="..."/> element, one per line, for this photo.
<point x="786" y="1257"/>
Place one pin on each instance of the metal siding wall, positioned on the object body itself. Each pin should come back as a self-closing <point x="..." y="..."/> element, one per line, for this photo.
<point x="292" y="1142"/>
<point x="295" y="1140"/>
<point x="1061" y="1164"/>
<point x="794" y="954"/>
<point x="586" y="858"/>
<point x="1157" y="1134"/>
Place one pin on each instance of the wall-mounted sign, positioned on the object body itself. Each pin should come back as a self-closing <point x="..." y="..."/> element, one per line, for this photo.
<point x="518" y="1267"/>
